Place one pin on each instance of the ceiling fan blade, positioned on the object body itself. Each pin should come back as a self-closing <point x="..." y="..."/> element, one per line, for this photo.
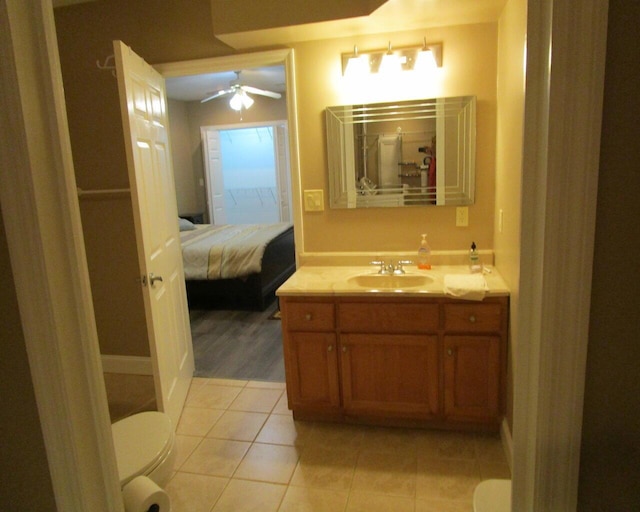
<point x="218" y="94"/>
<point x="262" y="92"/>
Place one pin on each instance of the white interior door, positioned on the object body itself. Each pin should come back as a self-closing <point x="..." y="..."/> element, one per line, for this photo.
<point x="213" y="176"/>
<point x="144" y="116"/>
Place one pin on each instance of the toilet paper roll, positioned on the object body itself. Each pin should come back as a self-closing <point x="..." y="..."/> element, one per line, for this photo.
<point x="143" y="495"/>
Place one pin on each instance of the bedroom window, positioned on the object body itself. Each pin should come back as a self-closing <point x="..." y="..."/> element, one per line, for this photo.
<point x="247" y="177"/>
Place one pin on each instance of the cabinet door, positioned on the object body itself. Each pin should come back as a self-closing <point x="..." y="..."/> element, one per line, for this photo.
<point x="391" y="375"/>
<point x="472" y="378"/>
<point x="312" y="371"/>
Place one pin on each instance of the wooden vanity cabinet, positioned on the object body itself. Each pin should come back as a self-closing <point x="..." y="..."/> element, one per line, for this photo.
<point x="385" y="359"/>
<point x="389" y="358"/>
<point x="474" y="355"/>
<point x="310" y="352"/>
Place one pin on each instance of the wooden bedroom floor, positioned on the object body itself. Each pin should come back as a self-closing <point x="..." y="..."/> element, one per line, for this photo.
<point x="244" y="345"/>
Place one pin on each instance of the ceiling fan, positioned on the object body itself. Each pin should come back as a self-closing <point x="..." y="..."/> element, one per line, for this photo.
<point x="240" y="98"/>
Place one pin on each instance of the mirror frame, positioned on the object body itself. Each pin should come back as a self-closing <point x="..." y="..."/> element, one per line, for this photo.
<point x="350" y="188"/>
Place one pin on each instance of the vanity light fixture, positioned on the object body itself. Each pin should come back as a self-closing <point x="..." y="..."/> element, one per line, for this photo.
<point x="357" y="65"/>
<point x="417" y="58"/>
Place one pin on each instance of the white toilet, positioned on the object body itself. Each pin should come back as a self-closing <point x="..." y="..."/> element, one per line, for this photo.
<point x="492" y="496"/>
<point x="145" y="446"/>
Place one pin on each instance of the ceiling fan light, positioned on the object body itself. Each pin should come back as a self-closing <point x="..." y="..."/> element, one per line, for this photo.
<point x="247" y="101"/>
<point x="236" y="102"/>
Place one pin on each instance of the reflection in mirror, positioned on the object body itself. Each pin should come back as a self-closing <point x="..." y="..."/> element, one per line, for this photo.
<point x="407" y="153"/>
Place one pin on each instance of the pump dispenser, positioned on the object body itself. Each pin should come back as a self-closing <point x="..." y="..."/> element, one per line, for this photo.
<point x="424" y="254"/>
<point x="475" y="266"/>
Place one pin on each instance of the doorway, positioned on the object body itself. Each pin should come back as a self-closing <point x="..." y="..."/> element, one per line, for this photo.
<point x="245" y="191"/>
<point x="248" y="164"/>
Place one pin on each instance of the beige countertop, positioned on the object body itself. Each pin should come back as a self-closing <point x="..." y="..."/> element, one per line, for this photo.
<point x="339" y="280"/>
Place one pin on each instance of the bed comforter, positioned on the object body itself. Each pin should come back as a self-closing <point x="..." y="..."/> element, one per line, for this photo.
<point x="226" y="251"/>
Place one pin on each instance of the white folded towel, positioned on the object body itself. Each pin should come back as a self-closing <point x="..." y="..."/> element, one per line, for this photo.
<point x="465" y="286"/>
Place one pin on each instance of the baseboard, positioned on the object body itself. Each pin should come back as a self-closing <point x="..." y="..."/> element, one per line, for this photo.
<point x="135" y="365"/>
<point x="507" y="442"/>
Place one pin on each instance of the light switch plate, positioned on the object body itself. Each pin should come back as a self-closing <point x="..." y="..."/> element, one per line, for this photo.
<point x="462" y="216"/>
<point x="313" y="200"/>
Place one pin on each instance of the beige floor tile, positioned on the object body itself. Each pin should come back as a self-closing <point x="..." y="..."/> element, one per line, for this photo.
<point x="261" y="384"/>
<point x="216" y="457"/>
<point x="389" y="439"/>
<point x="197" y="421"/>
<point x="447" y="479"/>
<point x="386" y="473"/>
<point x="236" y="383"/>
<point x="490" y="469"/>
<point x="283" y="429"/>
<point x="302" y="499"/>
<point x="282" y="407"/>
<point x="194" y="493"/>
<point x="324" y="468"/>
<point x="366" y="502"/>
<point x="336" y="435"/>
<point x="446" y="445"/>
<point x="184" y="448"/>
<point x="256" y="400"/>
<point x="246" y="496"/>
<point x="268" y="463"/>
<point x="443" y="506"/>
<point x="489" y="447"/>
<point x="213" y="396"/>
<point x="238" y="425"/>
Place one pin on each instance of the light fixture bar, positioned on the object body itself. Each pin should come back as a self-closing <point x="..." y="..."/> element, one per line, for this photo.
<point x="408" y="57"/>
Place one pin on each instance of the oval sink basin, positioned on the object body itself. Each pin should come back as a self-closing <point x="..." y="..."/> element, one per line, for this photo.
<point x="390" y="282"/>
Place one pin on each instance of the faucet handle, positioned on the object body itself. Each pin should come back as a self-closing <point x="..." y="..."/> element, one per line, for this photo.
<point x="383" y="268"/>
<point x="399" y="267"/>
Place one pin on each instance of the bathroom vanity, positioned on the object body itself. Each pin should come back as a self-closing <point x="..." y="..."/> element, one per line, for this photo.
<point x="398" y="356"/>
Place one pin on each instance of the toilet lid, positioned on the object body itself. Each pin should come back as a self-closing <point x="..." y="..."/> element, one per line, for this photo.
<point x="141" y="442"/>
<point x="492" y="496"/>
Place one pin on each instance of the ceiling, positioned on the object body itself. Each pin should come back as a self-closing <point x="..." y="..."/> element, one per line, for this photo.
<point x="196" y="87"/>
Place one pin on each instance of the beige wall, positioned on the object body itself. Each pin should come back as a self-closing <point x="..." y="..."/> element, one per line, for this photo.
<point x="26" y="484"/>
<point x="470" y="68"/>
<point x="511" y="52"/>
<point x="186" y="191"/>
<point x="470" y="54"/>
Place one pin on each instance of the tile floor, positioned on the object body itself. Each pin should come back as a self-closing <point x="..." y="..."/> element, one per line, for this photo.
<point x="240" y="450"/>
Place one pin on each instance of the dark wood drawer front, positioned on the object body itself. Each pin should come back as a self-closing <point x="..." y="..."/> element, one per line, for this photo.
<point x="479" y="318"/>
<point x="310" y="316"/>
<point x="389" y="317"/>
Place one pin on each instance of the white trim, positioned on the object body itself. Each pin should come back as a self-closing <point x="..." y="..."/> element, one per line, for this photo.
<point x="507" y="442"/>
<point x="37" y="186"/>
<point x="251" y="60"/>
<point x="133" y="365"/>
<point x="563" y="107"/>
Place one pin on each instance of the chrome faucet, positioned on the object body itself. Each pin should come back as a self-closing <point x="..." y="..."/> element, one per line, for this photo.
<point x="390" y="268"/>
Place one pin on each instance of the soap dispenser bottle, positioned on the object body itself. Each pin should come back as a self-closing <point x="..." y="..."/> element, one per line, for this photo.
<point x="424" y="254"/>
<point x="475" y="266"/>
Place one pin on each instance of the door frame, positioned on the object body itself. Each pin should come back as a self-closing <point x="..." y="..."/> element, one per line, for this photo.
<point x="66" y="374"/>
<point x="283" y="57"/>
<point x="278" y="164"/>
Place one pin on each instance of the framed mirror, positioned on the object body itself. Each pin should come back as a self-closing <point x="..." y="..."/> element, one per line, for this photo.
<point x="406" y="153"/>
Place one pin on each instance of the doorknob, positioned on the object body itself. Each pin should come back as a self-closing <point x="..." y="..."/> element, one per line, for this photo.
<point x="153" y="278"/>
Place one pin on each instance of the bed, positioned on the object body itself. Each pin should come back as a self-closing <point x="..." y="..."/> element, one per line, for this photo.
<point x="235" y="266"/>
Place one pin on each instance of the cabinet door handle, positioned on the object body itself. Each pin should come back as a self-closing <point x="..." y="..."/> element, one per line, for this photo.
<point x="344" y="348"/>
<point x="308" y="316"/>
<point x="329" y="348"/>
<point x="472" y="319"/>
<point x="449" y="352"/>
